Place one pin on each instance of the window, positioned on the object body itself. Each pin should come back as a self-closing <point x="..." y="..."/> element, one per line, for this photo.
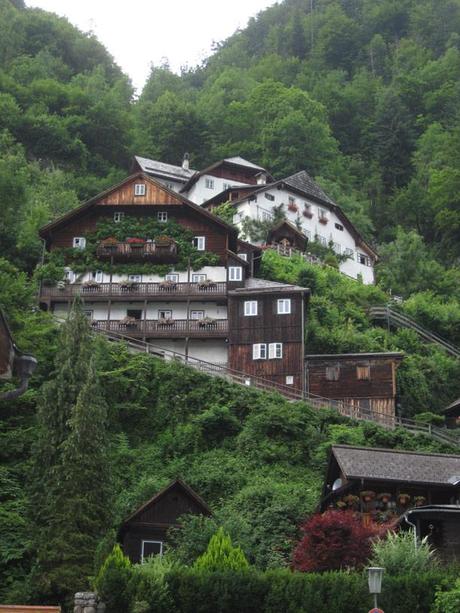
<point x="199" y="243"/>
<point x="79" y="242"/>
<point x="69" y="275"/>
<point x="307" y="234"/>
<point x="139" y="189"/>
<point x="270" y="197"/>
<point x="291" y="200"/>
<point x="339" y="226"/>
<point x="284" y="306"/>
<point x="250" y="308"/>
<point x="332" y="373"/>
<point x="151" y="548"/>
<point x="275" y="351"/>
<point x="363" y="259"/>
<point x="165" y="314"/>
<point x="162" y="216"/>
<point x="348" y="252"/>
<point x="196" y="314"/>
<point x="363" y="373"/>
<point x="135" y="278"/>
<point x="198" y="277"/>
<point x="97" y="276"/>
<point x="134" y="313"/>
<point x="243" y="256"/>
<point x="88" y="313"/>
<point x="209" y="183"/>
<point x="337" y="247"/>
<point x="259" y="351"/>
<point x="289" y="380"/>
<point x="170" y="185"/>
<point x="322" y="213"/>
<point x="266" y="216"/>
<point x="322" y="240"/>
<point x="235" y="273"/>
<point x="117" y="217"/>
<point x="172" y="276"/>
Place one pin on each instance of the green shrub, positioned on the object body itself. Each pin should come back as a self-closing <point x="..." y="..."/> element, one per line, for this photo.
<point x="221" y="555"/>
<point x="397" y="554"/>
<point x="149" y="586"/>
<point x="430" y="418"/>
<point x="114" y="581"/>
<point x="448" y="602"/>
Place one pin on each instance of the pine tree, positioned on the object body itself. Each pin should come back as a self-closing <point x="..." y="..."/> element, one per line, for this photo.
<point x="221" y="555"/>
<point x="70" y="499"/>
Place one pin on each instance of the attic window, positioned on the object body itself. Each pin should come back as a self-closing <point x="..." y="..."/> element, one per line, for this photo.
<point x="363" y="259"/>
<point x="363" y="373"/>
<point x="269" y="197"/>
<point x="139" y="189"/>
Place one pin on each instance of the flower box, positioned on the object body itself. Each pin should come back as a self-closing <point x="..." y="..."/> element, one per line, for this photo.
<point x="208" y="284"/>
<point x="385" y="497"/>
<point x="367" y="495"/>
<point x="307" y="213"/>
<point x="403" y="499"/>
<point x="323" y="220"/>
<point x="164" y="241"/>
<point x="168" y="285"/>
<point x="111" y="241"/>
<point x="91" y="286"/>
<point x="166" y="321"/>
<point x="293" y="207"/>
<point x="206" y="322"/>
<point x="128" y="286"/>
<point x="136" y="243"/>
<point x="419" y="501"/>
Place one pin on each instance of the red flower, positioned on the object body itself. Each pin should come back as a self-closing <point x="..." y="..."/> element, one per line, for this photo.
<point x="135" y="241"/>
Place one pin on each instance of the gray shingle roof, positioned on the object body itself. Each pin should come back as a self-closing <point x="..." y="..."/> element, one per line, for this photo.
<point x="165" y="170"/>
<point x="302" y="181"/>
<point x="390" y="465"/>
<point x="242" y="162"/>
<point x="260" y="285"/>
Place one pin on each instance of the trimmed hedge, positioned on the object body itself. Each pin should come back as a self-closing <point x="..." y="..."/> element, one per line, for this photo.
<point x="280" y="590"/>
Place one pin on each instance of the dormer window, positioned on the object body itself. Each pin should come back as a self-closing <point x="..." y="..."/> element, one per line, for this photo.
<point x="139" y="189"/>
<point x="79" y="242"/>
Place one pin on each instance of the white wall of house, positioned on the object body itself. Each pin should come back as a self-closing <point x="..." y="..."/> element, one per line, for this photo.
<point x="176" y="186"/>
<point x="208" y="186"/>
<point x="213" y="273"/>
<point x="210" y="350"/>
<point x="262" y="209"/>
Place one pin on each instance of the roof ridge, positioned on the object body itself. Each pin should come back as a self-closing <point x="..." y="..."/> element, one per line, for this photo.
<point x="401" y="451"/>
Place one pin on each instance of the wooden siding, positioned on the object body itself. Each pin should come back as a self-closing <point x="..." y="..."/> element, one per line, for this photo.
<point x="154" y="194"/>
<point x="381" y="384"/>
<point x="235" y="174"/>
<point x="6" y="352"/>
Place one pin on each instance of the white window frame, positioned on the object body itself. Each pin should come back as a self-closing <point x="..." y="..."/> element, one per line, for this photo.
<point x="98" y="276"/>
<point x="259" y="351"/>
<point x="162" y="216"/>
<point x="289" y="379"/>
<point x="88" y="313"/>
<point x="172" y="276"/>
<point x="79" y="242"/>
<point x="349" y="252"/>
<point x="235" y="273"/>
<point x="266" y="215"/>
<point x="283" y="306"/>
<point x="275" y="351"/>
<point x="243" y="256"/>
<point x="322" y="213"/>
<point x="149" y="541"/>
<point x="366" y="258"/>
<point x="118" y="216"/>
<point x="251" y="308"/>
<point x="269" y="196"/>
<point x="337" y="247"/>
<point x="69" y="275"/>
<point x="165" y="314"/>
<point x="199" y="242"/>
<point x="139" y="189"/>
<point x="135" y="278"/>
<point x="196" y="315"/>
<point x="209" y="183"/>
<point x="198" y="277"/>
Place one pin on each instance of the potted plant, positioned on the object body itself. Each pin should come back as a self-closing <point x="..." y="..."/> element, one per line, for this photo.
<point x="323" y="219"/>
<point x="351" y="500"/>
<point x="403" y="499"/>
<point x="135" y="242"/>
<point x="292" y="206"/>
<point x="206" y="322"/>
<point x="91" y="286"/>
<point x="367" y="495"/>
<point x="385" y="497"/>
<point x="164" y="241"/>
<point x="341" y="504"/>
<point x="166" y="321"/>
<point x="206" y="284"/>
<point x="128" y="286"/>
<point x="419" y="501"/>
<point x="168" y="285"/>
<point x="110" y="243"/>
<point x="307" y="213"/>
<point x="129" y="322"/>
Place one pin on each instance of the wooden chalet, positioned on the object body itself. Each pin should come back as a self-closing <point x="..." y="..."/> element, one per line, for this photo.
<point x="452" y="414"/>
<point x="390" y="485"/>
<point x="13" y="363"/>
<point x="364" y="380"/>
<point x="144" y="533"/>
<point x="287" y="236"/>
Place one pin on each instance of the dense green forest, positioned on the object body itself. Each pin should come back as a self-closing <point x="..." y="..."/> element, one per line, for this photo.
<point x="364" y="96"/>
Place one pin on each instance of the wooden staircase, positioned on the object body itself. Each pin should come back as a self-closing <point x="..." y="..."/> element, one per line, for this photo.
<point x="398" y="320"/>
<point x="235" y="376"/>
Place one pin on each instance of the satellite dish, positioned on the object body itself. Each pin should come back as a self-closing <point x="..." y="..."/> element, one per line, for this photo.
<point x="337" y="483"/>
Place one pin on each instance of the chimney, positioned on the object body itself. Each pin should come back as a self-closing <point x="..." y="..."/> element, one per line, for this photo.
<point x="186" y="162"/>
<point x="261" y="178"/>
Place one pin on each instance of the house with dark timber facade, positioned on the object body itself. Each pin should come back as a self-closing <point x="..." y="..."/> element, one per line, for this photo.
<point x="148" y="263"/>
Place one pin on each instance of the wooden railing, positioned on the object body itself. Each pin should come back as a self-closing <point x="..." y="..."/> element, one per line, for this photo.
<point x="318" y="402"/>
<point x="130" y="290"/>
<point x="128" y="251"/>
<point x="164" y="328"/>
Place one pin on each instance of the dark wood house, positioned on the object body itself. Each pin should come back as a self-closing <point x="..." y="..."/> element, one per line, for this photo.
<point x="452" y="414"/>
<point x="366" y="381"/>
<point x="389" y="485"/>
<point x="13" y="363"/>
<point x="287" y="235"/>
<point x="144" y="533"/>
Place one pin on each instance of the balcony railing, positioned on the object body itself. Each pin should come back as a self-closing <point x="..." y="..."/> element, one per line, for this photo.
<point x="157" y="328"/>
<point x="150" y="252"/>
<point x="132" y="290"/>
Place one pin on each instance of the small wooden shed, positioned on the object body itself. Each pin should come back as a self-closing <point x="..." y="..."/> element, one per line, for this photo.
<point x="144" y="532"/>
<point x="452" y="414"/>
<point x="287" y="235"/>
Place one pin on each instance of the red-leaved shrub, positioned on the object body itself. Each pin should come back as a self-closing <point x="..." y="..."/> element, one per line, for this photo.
<point x="335" y="540"/>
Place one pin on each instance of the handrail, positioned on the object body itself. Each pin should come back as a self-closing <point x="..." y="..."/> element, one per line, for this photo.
<point x="406" y="322"/>
<point x="319" y="402"/>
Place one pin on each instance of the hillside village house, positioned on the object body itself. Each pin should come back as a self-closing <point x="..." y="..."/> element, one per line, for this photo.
<point x="415" y="490"/>
<point x="255" y="195"/>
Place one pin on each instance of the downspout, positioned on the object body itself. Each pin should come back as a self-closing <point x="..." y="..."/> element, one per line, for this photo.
<point x="414" y="528"/>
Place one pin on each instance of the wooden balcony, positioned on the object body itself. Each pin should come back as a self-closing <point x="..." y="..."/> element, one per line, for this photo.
<point x="143" y="252"/>
<point x="135" y="291"/>
<point x="157" y="328"/>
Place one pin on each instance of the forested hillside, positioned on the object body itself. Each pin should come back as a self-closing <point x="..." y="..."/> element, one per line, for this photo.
<point x="363" y="94"/>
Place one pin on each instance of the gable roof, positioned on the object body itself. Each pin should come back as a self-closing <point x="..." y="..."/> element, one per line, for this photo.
<point x="303" y="182"/>
<point x="394" y="465"/>
<point x="290" y="226"/>
<point x="257" y="286"/>
<point x="168" y="171"/>
<point x="453" y="408"/>
<point x="45" y="230"/>
<point x="233" y="161"/>
<point x="187" y="490"/>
